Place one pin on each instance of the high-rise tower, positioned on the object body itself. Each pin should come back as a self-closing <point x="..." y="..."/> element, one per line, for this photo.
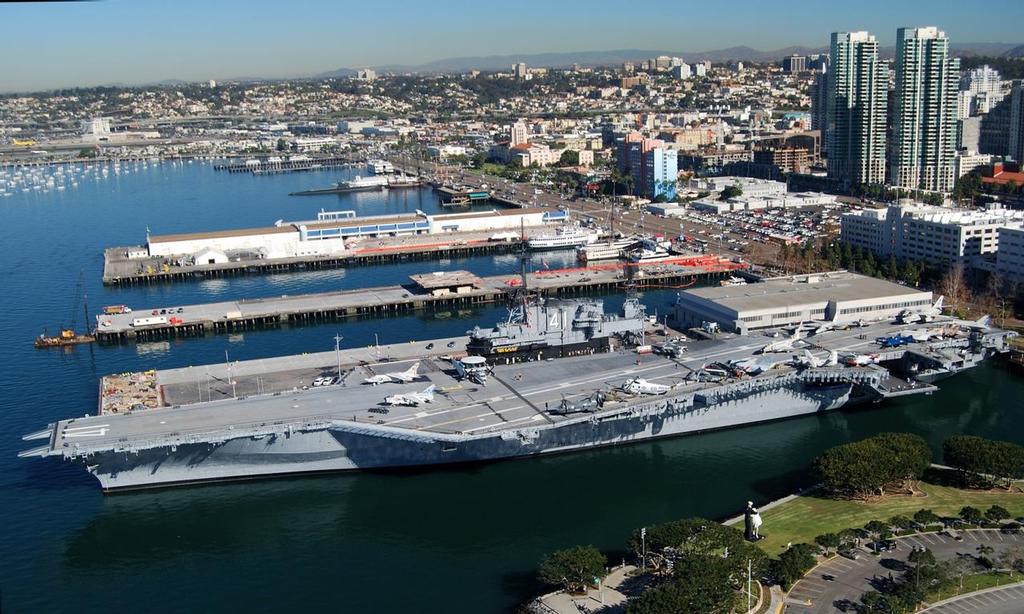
<point x="924" y="117"/>
<point x="856" y="110"/>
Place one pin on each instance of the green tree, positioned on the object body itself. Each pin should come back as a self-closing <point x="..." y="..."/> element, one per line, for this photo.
<point x="980" y="461"/>
<point x="902" y="523"/>
<point x="910" y="273"/>
<point x="891" y="268"/>
<point x="828" y="541"/>
<point x="876" y="528"/>
<point x="970" y="514"/>
<point x="864" y="468"/>
<point x="731" y="191"/>
<point x="984" y="556"/>
<point x="282" y="145"/>
<point x="569" y="157"/>
<point x="573" y="568"/>
<point x="920" y="559"/>
<point x="925" y="517"/>
<point x="997" y="513"/>
<point x="700" y="584"/>
<point x="792" y="564"/>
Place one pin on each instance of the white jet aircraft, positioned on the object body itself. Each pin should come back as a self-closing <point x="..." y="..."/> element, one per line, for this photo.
<point x="404" y="377"/>
<point x="784" y="345"/>
<point x="755" y="365"/>
<point x="913" y="316"/>
<point x="860" y="360"/>
<point x="809" y="360"/>
<point x="412" y="399"/>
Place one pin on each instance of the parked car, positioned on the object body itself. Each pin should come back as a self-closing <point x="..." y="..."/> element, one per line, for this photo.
<point x="849" y="553"/>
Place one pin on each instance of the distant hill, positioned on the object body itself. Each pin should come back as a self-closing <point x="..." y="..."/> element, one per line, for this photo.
<point x="618" y="56"/>
<point x="1016" y="52"/>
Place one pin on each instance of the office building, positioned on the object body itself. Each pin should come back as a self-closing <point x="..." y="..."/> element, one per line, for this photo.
<point x="924" y="116"/>
<point x="1010" y="257"/>
<point x="660" y="173"/>
<point x="682" y="71"/>
<point x="518" y="134"/>
<point x="819" y="105"/>
<point x="749" y="186"/>
<point x="982" y="79"/>
<point x="520" y="72"/>
<point x="1015" y="138"/>
<point x="856" y="110"/>
<point x="794" y="64"/>
<point x="967" y="161"/>
<point x="937" y="235"/>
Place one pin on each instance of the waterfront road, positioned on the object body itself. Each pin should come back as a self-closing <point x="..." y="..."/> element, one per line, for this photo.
<point x="837" y="584"/>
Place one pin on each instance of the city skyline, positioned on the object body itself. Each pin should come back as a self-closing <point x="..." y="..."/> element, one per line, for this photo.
<point x="102" y="43"/>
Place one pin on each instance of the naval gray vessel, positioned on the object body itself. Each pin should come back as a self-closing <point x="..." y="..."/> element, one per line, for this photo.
<point x="538" y="329"/>
<point x="428" y="412"/>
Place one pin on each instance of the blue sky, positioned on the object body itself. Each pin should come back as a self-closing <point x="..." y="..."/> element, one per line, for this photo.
<point x="46" y="45"/>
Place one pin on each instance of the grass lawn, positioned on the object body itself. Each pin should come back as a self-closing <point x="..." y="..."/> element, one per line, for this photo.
<point x="806" y="517"/>
<point x="974" y="583"/>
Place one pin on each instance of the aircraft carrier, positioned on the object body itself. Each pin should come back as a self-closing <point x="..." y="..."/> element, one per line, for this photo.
<point x="429" y="412"/>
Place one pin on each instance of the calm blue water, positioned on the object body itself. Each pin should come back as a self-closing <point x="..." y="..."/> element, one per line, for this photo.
<point x="455" y="540"/>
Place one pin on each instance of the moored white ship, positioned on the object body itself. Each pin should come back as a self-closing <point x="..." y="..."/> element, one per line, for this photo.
<point x="564" y="237"/>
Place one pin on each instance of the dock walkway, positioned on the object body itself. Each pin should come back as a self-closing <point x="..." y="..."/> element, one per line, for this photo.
<point x="228" y="316"/>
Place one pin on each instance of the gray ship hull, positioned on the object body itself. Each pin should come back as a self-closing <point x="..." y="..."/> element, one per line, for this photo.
<point x="347" y="446"/>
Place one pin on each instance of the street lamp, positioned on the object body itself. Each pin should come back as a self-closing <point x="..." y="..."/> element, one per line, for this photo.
<point x="337" y="351"/>
<point x="643" y="549"/>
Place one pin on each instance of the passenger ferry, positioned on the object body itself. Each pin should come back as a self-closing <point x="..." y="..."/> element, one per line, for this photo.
<point x="603" y="250"/>
<point x="564" y="237"/>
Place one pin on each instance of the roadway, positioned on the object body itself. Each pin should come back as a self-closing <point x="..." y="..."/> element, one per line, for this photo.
<point x="837" y="584"/>
<point x="626" y="220"/>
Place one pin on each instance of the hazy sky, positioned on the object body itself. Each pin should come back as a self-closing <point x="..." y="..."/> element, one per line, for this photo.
<point x="47" y="45"/>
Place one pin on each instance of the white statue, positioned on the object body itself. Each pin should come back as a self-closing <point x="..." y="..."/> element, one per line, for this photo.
<point x="753" y="522"/>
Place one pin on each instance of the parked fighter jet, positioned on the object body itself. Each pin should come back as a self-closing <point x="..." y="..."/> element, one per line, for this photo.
<point x="404" y="377"/>
<point x="412" y="399"/>
<point x="912" y="316"/>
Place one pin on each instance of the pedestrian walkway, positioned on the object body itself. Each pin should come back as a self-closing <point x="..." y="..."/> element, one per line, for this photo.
<point x="606" y="599"/>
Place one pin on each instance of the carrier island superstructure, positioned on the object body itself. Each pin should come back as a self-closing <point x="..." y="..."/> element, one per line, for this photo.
<point x="418" y="404"/>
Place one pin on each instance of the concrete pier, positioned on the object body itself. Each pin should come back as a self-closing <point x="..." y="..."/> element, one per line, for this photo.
<point x="229" y="316"/>
<point x="120" y="270"/>
<point x="286" y="165"/>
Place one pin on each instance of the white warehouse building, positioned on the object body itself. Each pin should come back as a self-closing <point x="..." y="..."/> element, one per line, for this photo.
<point x="751" y="187"/>
<point x="839" y="296"/>
<point x="758" y="203"/>
<point x="327" y="235"/>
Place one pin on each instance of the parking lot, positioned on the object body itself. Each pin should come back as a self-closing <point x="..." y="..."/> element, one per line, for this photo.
<point x="1002" y="600"/>
<point x="837" y="584"/>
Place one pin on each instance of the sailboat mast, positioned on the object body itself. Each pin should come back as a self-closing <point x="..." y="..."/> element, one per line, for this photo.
<point x="85" y="312"/>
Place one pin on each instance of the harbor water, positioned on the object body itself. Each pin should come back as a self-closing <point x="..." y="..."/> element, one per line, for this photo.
<point x="457" y="539"/>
